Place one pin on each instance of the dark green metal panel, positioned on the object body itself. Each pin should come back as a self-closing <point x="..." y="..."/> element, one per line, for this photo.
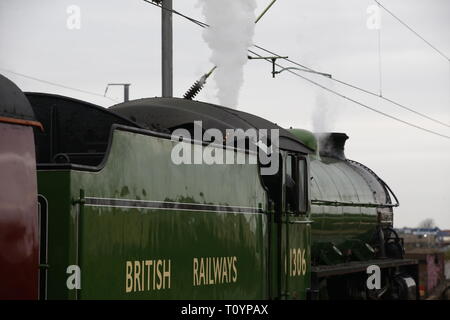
<point x="345" y="227"/>
<point x="54" y="186"/>
<point x="297" y="257"/>
<point x="295" y="248"/>
<point x="305" y="136"/>
<point x="139" y="210"/>
<point x="114" y="236"/>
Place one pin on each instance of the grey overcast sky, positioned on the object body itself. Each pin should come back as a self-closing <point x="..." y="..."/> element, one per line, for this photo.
<point x="119" y="41"/>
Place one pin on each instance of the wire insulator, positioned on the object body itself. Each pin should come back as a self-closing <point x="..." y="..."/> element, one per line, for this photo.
<point x="193" y="90"/>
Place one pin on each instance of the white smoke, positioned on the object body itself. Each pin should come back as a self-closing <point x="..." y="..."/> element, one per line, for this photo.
<point x="232" y="25"/>
<point x="324" y="115"/>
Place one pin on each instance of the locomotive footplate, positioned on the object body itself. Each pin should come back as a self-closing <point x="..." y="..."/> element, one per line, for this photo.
<point x="348" y="280"/>
<point x="358" y="266"/>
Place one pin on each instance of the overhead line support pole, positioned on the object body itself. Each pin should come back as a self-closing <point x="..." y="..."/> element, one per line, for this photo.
<point x="167" y="48"/>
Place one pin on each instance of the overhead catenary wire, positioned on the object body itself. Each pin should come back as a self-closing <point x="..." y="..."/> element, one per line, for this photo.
<point x="204" y="25"/>
<point x="412" y="30"/>
<point x="380" y="68"/>
<point x="197" y="22"/>
<point x="265" y="10"/>
<point x="56" y="84"/>
<point x="361" y="89"/>
<point x="357" y="102"/>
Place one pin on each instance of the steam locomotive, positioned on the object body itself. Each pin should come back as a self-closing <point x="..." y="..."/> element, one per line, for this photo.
<point x="94" y="207"/>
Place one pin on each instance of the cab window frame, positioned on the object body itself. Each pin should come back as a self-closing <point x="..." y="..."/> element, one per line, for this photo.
<point x="296" y="198"/>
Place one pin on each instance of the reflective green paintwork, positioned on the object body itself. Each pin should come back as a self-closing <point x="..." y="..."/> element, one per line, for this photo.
<point x="336" y="180"/>
<point x="339" y="229"/>
<point x="305" y="136"/>
<point x="105" y="239"/>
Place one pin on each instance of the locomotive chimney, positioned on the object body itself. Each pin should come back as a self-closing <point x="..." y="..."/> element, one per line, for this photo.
<point x="331" y="144"/>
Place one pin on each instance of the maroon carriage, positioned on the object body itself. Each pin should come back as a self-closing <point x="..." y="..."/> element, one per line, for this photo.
<point x="19" y="232"/>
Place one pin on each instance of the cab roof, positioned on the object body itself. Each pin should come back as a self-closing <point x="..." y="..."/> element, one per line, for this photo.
<point x="168" y="114"/>
<point x="13" y="103"/>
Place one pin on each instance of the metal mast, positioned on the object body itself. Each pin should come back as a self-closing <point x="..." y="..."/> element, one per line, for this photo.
<point x="167" y="48"/>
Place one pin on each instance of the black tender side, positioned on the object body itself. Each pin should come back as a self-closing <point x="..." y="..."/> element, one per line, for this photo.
<point x="74" y="131"/>
<point x="168" y="114"/>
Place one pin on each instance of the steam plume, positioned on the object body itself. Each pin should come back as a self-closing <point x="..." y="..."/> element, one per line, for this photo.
<point x="229" y="36"/>
<point x="324" y="114"/>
